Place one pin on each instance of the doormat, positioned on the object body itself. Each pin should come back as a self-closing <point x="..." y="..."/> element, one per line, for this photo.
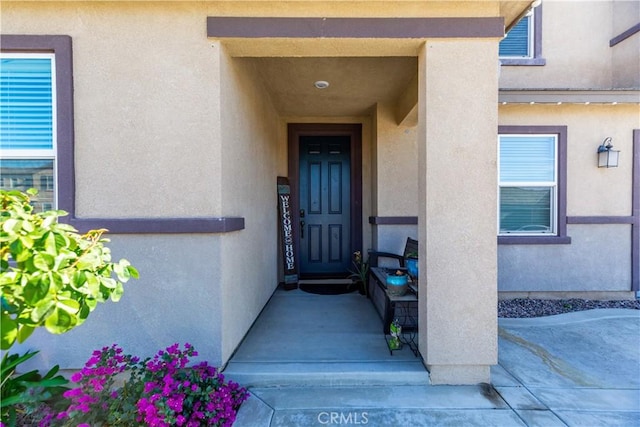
<point x="328" y="288"/>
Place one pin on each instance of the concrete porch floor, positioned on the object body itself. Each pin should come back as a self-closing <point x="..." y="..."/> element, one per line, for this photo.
<point x="313" y="360"/>
<point x="302" y="339"/>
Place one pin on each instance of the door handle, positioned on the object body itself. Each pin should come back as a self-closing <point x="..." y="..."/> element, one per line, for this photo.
<point x="301" y="213"/>
<point x="302" y="229"/>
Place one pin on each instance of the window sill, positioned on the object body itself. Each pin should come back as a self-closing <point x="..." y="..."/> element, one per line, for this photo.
<point x="523" y="61"/>
<point x="534" y="240"/>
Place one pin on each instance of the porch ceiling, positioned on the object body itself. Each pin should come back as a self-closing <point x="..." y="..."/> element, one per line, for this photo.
<point x="355" y="84"/>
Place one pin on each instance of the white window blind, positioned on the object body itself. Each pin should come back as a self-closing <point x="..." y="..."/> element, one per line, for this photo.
<point x="27" y="124"/>
<point x="527" y="184"/>
<point x="26" y="103"/>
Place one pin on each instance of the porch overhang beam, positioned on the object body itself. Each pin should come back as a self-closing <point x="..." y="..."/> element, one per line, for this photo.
<point x="273" y="36"/>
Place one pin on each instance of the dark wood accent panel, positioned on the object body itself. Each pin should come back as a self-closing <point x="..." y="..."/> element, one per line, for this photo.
<point x="388" y="28"/>
<point x="393" y="220"/>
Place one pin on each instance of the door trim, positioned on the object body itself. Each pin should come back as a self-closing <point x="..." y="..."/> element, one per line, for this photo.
<point x="354" y="131"/>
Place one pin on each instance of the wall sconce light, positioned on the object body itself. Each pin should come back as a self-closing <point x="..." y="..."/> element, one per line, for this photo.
<point x="607" y="157"/>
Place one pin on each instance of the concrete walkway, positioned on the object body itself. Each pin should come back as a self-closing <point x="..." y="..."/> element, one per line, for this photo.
<point x="321" y="360"/>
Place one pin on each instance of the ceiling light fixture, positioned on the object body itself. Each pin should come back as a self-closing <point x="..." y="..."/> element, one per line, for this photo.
<point x="321" y="84"/>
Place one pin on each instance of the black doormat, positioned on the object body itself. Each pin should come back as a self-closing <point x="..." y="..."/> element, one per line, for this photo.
<point x="328" y="288"/>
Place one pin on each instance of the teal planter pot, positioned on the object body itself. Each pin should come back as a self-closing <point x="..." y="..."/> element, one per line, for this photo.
<point x="412" y="266"/>
<point x="397" y="285"/>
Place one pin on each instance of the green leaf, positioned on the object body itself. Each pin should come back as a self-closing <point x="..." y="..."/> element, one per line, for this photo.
<point x="25" y="332"/>
<point x="117" y="292"/>
<point x="9" y="331"/>
<point x="43" y="261"/>
<point x="133" y="272"/>
<point x="71" y="306"/>
<point x="26" y="241"/>
<point x="28" y="226"/>
<point x="50" y="245"/>
<point x="11" y="225"/>
<point x="60" y="321"/>
<point x="108" y="282"/>
<point x="42" y="310"/>
<point x="36" y="290"/>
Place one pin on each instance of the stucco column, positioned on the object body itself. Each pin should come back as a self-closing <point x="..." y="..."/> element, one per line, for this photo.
<point x="458" y="122"/>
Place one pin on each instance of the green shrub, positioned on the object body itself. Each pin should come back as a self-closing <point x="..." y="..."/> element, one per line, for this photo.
<point x="53" y="277"/>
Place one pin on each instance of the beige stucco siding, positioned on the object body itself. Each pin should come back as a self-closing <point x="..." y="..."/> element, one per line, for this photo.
<point x="457" y="208"/>
<point x="575" y="45"/>
<point x="164" y="120"/>
<point x="625" y="56"/>
<point x="249" y="171"/>
<point x="599" y="255"/>
<point x="145" y="110"/>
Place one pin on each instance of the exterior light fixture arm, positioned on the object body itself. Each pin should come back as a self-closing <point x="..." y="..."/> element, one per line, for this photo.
<point x="606" y="145"/>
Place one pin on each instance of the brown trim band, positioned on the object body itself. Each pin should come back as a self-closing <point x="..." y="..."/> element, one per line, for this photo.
<point x="534" y="240"/>
<point x="158" y="225"/>
<point x="635" y="212"/>
<point x="393" y="220"/>
<point x="601" y="220"/>
<point x="624" y="35"/>
<point x="385" y="28"/>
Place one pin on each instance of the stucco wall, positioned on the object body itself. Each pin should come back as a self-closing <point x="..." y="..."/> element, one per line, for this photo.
<point x="598" y="259"/>
<point x="599" y="256"/>
<point x="176" y="300"/>
<point x="457" y="209"/>
<point x="575" y="45"/>
<point x="144" y="111"/>
<point x="395" y="186"/>
<point x="625" y="55"/>
<point x="151" y="92"/>
<point x="249" y="172"/>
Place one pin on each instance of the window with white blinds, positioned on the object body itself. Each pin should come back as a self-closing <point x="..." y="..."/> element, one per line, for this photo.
<point x="528" y="182"/>
<point x="27" y="125"/>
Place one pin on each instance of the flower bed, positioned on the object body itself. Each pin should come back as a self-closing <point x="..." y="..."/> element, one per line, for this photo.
<point x="159" y="391"/>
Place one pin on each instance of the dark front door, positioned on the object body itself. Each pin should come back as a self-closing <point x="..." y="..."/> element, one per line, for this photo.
<point x="325" y="205"/>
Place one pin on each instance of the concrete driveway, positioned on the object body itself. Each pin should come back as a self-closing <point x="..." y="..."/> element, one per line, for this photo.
<point x="575" y="369"/>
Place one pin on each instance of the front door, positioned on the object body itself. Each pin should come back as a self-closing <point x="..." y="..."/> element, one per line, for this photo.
<point x="325" y="208"/>
<point x="326" y="176"/>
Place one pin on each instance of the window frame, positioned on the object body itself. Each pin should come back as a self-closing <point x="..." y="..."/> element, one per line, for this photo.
<point x="535" y="42"/>
<point x="37" y="153"/>
<point x="560" y="208"/>
<point x="60" y="47"/>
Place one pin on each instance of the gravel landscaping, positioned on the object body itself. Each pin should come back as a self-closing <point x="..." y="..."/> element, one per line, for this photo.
<point x="524" y="307"/>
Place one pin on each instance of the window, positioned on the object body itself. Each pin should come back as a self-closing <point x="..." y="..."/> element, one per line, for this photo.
<point x="528" y="183"/>
<point x="27" y="137"/>
<point x="532" y="184"/>
<point x="523" y="43"/>
<point x="519" y="40"/>
<point x="36" y="118"/>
